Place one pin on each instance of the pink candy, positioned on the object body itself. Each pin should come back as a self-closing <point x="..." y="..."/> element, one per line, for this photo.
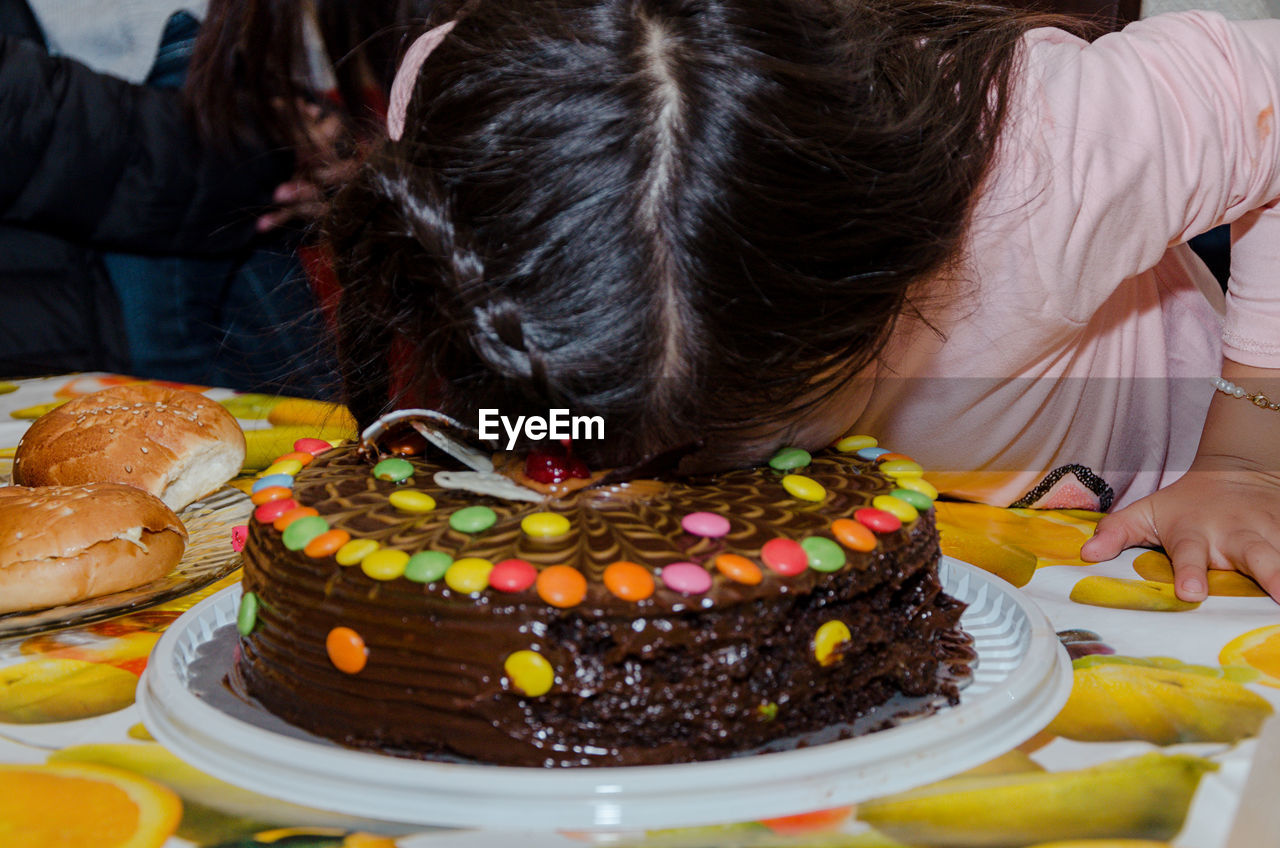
<point x="705" y="524"/>
<point x="687" y="578"/>
<point x="239" y="535"/>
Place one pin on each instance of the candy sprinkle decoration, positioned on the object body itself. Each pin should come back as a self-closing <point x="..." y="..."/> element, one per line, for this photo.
<point x="784" y="556"/>
<point x="629" y="581"/>
<point x="346" y="650"/>
<point x="824" y="554"/>
<point x="473" y="519"/>
<point x="529" y="673"/>
<point x="561" y="586"/>
<point x="829" y="641"/>
<point x="545" y="525"/>
<point x="687" y="578"/>
<point x="706" y="524"/>
<point x="393" y="470"/>
<point x="411" y="501"/>
<point x="427" y="566"/>
<point x="247" y="617"/>
<point x="789" y="459"/>
<point x="849" y="444"/>
<point x="803" y="488"/>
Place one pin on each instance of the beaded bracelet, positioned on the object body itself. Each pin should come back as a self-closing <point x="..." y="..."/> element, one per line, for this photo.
<point x="1259" y="400"/>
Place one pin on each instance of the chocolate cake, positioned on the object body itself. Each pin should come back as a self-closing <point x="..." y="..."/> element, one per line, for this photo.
<point x="621" y="622"/>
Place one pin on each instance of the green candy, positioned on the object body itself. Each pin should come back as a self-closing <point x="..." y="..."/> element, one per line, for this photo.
<point x="473" y="519"/>
<point x="824" y="554"/>
<point x="247" y="617"/>
<point x="427" y="566"/>
<point x="394" y="470"/>
<point x="919" y="500"/>
<point x="789" y="459"/>
<point x="300" y="533"/>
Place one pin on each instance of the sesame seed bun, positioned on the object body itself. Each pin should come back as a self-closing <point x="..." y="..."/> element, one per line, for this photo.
<point x="175" y="444"/>
<point x="63" y="544"/>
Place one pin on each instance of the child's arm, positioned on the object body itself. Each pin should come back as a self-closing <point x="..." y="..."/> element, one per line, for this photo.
<point x="1225" y="512"/>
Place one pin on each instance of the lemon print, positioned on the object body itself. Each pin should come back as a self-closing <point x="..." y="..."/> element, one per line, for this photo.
<point x="1146" y="797"/>
<point x="1010" y="562"/>
<point x="263" y="447"/>
<point x="1121" y="701"/>
<point x="1054" y="538"/>
<point x="45" y="691"/>
<point x="1155" y="565"/>
<point x="1258" y="649"/>
<point x="1104" y="843"/>
<point x="53" y="806"/>
<point x="1117" y="593"/>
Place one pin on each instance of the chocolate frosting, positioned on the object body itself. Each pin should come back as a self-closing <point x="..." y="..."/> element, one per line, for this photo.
<point x="667" y="679"/>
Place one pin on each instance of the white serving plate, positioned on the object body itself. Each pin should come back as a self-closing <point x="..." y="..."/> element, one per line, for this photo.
<point x="1021" y="679"/>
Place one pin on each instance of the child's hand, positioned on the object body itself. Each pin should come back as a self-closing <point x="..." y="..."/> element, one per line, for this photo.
<point x="1219" y="515"/>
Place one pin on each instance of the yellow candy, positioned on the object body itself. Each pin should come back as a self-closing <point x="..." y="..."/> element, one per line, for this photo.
<point x="897" y="468"/>
<point x="385" y="564"/>
<point x="282" y="466"/>
<point x="357" y="549"/>
<point x="530" y="673"/>
<point x="408" y="500"/>
<point x="828" y="640"/>
<point x="545" y="525"/>
<point x="896" y="506"/>
<point x="849" y="444"/>
<point x="468" y="575"/>
<point x="918" y="484"/>
<point x="804" y="488"/>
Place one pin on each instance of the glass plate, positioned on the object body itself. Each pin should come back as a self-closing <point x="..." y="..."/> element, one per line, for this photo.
<point x="1021" y="679"/>
<point x="208" y="557"/>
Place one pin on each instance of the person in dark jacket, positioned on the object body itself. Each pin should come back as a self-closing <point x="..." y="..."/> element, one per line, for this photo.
<point x="90" y="163"/>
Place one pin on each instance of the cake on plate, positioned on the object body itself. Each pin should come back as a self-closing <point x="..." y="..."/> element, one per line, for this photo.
<point x="423" y="602"/>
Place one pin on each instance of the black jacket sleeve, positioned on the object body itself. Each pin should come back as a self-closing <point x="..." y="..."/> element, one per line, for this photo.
<point x="99" y="161"/>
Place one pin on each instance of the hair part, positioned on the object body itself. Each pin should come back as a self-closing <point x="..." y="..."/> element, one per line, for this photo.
<point x="683" y="215"/>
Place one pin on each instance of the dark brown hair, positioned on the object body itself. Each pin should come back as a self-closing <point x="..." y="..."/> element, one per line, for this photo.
<point x="679" y="214"/>
<point x="248" y="72"/>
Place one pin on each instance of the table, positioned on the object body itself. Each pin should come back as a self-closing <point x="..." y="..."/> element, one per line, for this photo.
<point x="1156" y="742"/>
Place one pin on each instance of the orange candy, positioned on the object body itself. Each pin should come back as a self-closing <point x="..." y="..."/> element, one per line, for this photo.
<point x="629" y="581"/>
<point x="302" y="456"/>
<point x="326" y="543"/>
<point x="291" y="516"/>
<point x="739" y="569"/>
<point x="853" y="535"/>
<point x="269" y="494"/>
<point x="888" y="457"/>
<point x="561" y="586"/>
<point x="346" y="649"/>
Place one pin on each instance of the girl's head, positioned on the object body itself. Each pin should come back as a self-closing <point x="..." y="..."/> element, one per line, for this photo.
<point x="695" y="218"/>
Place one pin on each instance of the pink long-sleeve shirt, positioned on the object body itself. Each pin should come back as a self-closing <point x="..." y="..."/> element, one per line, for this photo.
<point x="1070" y="357"/>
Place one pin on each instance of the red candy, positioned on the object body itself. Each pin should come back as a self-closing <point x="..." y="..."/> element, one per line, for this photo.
<point x="315" y="447"/>
<point x="239" y="535"/>
<point x="271" y="510"/>
<point x="513" y="575"/>
<point x="785" y="556"/>
<point x="549" y="468"/>
<point x="878" y="520"/>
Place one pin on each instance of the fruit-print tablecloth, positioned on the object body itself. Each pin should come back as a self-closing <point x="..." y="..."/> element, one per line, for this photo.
<point x="1154" y="747"/>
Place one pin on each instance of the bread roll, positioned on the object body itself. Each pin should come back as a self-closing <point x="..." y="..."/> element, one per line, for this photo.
<point x="63" y="544"/>
<point x="175" y="444"/>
